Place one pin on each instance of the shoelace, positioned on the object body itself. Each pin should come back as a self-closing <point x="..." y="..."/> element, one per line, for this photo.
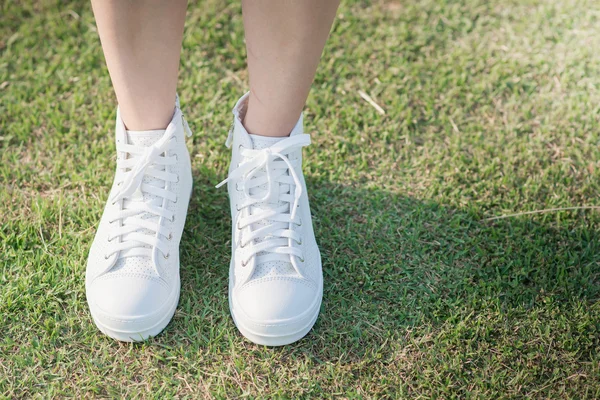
<point x="270" y="166"/>
<point x="136" y="235"/>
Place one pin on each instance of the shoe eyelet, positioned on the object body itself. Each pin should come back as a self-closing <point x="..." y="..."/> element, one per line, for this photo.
<point x="175" y="201"/>
<point x="172" y="219"/>
<point x="177" y="181"/>
<point x="240" y="148"/>
<point x="238" y="226"/>
<point x="237" y="208"/>
<point x="244" y="264"/>
<point x="237" y="188"/>
<point x="176" y="159"/>
<point x="170" y="237"/>
<point x="299" y="242"/>
<point x="106" y="257"/>
<point x="166" y="256"/>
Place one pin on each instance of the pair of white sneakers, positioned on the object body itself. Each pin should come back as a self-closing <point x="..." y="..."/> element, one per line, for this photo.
<point x="275" y="276"/>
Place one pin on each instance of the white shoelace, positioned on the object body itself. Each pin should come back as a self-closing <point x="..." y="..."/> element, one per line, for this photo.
<point x="272" y="241"/>
<point x="137" y="227"/>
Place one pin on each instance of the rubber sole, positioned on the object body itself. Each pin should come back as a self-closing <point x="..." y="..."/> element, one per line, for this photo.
<point x="142" y="334"/>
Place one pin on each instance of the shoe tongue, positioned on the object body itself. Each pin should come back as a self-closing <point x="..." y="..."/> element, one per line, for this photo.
<point x="262" y="142"/>
<point x="144" y="138"/>
<point x="259" y="143"/>
<point x="269" y="268"/>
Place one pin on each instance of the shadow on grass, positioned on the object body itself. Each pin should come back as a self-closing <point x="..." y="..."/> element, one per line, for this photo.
<point x="391" y="263"/>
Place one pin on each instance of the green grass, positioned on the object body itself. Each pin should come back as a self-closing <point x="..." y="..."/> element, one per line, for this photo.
<point x="492" y="108"/>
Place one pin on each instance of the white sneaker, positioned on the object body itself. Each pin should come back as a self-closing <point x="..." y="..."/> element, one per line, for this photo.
<point x="132" y="276"/>
<point x="275" y="278"/>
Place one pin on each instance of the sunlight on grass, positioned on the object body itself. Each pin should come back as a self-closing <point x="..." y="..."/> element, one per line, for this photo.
<point x="490" y="108"/>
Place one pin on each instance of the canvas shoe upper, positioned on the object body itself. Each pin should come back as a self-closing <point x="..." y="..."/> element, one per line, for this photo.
<point x="132" y="275"/>
<point x="275" y="285"/>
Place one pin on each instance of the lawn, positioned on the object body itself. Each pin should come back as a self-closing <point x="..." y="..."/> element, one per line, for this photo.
<point x="491" y="109"/>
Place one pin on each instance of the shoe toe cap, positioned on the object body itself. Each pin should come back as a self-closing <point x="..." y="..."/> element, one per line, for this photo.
<point x="277" y="306"/>
<point x="126" y="303"/>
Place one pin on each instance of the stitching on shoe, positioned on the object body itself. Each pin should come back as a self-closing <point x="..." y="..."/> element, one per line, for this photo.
<point x="107" y="276"/>
<point x="304" y="281"/>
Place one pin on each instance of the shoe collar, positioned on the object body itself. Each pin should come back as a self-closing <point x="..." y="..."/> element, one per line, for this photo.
<point x="177" y="119"/>
<point x="238" y="129"/>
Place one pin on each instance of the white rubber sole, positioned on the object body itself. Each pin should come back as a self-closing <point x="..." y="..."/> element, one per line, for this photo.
<point x="275" y="340"/>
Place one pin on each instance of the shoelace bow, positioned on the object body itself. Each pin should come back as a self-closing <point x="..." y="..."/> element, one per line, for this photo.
<point x="136" y="235"/>
<point x="274" y="239"/>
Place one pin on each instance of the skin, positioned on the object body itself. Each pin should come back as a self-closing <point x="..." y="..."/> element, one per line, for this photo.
<point x="142" y="39"/>
<point x="284" y="42"/>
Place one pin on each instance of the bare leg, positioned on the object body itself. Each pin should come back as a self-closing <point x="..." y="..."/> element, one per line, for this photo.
<point x="142" y="44"/>
<point x="284" y="40"/>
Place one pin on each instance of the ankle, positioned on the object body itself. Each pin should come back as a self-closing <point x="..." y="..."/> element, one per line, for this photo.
<point x="275" y="122"/>
<point x="147" y="115"/>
